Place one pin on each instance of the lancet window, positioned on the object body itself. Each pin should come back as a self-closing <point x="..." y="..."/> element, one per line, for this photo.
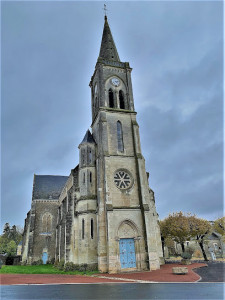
<point x="121" y="99"/>
<point x="120" y="137"/>
<point x="82" y="229"/>
<point x="92" y="229"/>
<point x="111" y="98"/>
<point x="47" y="223"/>
<point x="90" y="177"/>
<point x="90" y="156"/>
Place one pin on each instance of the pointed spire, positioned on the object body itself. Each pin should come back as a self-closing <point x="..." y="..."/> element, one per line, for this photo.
<point x="108" y="49"/>
<point x="88" y="138"/>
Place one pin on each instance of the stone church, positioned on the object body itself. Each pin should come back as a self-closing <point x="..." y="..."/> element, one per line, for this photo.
<point x="102" y="214"/>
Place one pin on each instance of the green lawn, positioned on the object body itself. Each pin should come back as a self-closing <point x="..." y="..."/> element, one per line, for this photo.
<point x="39" y="269"/>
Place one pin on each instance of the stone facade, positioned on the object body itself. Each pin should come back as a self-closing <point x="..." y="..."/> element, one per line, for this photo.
<point x="39" y="230"/>
<point x="105" y="214"/>
<point x="213" y="242"/>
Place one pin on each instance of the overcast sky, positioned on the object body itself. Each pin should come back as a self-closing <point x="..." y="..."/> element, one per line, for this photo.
<point x="49" y="51"/>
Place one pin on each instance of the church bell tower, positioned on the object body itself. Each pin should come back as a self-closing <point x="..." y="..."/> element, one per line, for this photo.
<point x="128" y="231"/>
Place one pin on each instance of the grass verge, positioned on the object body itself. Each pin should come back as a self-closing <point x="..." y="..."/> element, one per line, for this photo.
<point x="40" y="269"/>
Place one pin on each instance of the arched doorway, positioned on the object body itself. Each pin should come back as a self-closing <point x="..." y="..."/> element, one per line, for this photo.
<point x="128" y="245"/>
<point x="127" y="253"/>
<point x="45" y="257"/>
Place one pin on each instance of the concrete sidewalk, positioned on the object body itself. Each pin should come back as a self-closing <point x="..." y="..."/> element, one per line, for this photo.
<point x="163" y="275"/>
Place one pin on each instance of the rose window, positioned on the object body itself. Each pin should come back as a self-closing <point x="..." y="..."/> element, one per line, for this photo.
<point x="122" y="179"/>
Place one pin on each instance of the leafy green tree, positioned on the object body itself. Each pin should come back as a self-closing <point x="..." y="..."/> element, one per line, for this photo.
<point x="176" y="226"/>
<point x="169" y="243"/>
<point x="180" y="228"/>
<point x="199" y="229"/>
<point x="3" y="244"/>
<point x="15" y="235"/>
<point x="10" y="239"/>
<point x="6" y="230"/>
<point x="219" y="226"/>
<point x="11" y="248"/>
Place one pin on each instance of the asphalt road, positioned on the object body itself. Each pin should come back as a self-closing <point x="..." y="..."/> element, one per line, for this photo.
<point x="215" y="272"/>
<point x="175" y="291"/>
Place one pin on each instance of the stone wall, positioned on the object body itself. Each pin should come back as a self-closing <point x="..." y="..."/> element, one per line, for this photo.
<point x="43" y="241"/>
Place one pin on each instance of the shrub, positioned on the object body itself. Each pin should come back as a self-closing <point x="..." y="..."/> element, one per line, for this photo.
<point x="76" y="267"/>
<point x="69" y="266"/>
<point x="52" y="261"/>
<point x="186" y="255"/>
<point x="92" y="267"/>
<point x="190" y="250"/>
<point x="197" y="253"/>
<point x="61" y="265"/>
<point x="83" y="267"/>
<point x="9" y="260"/>
<point x="56" y="263"/>
<point x="37" y="262"/>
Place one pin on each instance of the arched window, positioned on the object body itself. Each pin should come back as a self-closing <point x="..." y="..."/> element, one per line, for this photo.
<point x="90" y="156"/>
<point x="83" y="177"/>
<point x="82" y="229"/>
<point x="90" y="177"/>
<point x="111" y="98"/>
<point x="120" y="137"/>
<point x="96" y="102"/>
<point x="92" y="228"/>
<point x="121" y="98"/>
<point x="83" y="156"/>
<point x="47" y="223"/>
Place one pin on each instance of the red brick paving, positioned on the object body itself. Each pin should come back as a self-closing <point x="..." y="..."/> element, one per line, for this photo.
<point x="8" y="279"/>
<point x="163" y="275"/>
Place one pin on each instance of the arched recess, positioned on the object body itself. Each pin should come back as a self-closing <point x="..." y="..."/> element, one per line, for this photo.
<point x="127" y="229"/>
<point x="115" y="90"/>
<point x="96" y="104"/>
<point x="120" y="145"/>
<point x="121" y="100"/>
<point x="111" y="98"/>
<point x="128" y="257"/>
<point x="47" y="222"/>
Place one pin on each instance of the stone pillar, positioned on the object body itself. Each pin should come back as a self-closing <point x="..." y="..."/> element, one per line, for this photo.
<point x="102" y="238"/>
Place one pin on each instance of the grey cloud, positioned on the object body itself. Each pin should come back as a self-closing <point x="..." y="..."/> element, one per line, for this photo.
<point x="49" y="50"/>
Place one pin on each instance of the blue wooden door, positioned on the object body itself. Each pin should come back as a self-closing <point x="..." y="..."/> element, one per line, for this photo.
<point x="127" y="253"/>
<point x="45" y="257"/>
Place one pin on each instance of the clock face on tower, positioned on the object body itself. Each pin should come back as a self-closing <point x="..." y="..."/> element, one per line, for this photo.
<point x="115" y="81"/>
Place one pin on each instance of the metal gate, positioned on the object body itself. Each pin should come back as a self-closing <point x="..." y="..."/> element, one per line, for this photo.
<point x="127" y="253"/>
<point x="45" y="257"/>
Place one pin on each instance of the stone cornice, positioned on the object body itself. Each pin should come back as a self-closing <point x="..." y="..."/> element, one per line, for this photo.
<point x="113" y="110"/>
<point x="46" y="200"/>
<point x="92" y="211"/>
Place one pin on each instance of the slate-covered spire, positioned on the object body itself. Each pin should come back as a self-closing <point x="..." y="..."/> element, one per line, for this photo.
<point x="88" y="138"/>
<point x="108" y="49"/>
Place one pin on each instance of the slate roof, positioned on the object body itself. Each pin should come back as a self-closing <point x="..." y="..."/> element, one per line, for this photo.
<point x="108" y="49"/>
<point x="48" y="186"/>
<point x="88" y="138"/>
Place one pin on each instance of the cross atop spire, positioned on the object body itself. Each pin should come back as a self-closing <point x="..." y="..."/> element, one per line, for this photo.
<point x="108" y="49"/>
<point x="105" y="9"/>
